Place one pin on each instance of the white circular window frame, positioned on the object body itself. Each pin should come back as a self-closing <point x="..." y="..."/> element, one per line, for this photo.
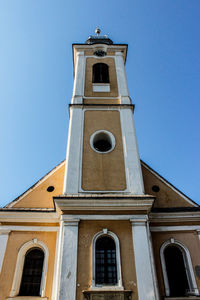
<point x="111" y="136"/>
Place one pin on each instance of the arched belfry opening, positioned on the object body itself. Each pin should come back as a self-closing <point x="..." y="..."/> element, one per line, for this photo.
<point x="176" y="271"/>
<point x="100" y="73"/>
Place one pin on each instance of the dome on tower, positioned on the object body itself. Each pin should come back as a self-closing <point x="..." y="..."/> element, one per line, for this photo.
<point x="99" y="39"/>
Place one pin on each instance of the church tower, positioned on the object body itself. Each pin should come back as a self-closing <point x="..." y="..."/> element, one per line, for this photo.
<point x="104" y="208"/>
<point x="102" y="225"/>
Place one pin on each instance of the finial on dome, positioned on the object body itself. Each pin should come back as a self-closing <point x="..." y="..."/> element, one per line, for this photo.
<point x="97" y="30"/>
<point x="98" y="38"/>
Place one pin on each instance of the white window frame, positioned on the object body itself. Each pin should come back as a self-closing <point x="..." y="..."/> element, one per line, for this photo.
<point x="118" y="286"/>
<point x="106" y="132"/>
<point x="188" y="267"/>
<point x="20" y="265"/>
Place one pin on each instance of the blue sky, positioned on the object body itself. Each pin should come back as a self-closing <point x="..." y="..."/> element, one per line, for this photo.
<point x="36" y="80"/>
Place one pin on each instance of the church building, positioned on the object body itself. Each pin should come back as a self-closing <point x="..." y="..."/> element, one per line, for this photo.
<point x="102" y="225"/>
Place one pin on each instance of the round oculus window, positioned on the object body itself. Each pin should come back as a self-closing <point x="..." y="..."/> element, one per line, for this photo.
<point x="102" y="141"/>
<point x="155" y="188"/>
<point x="50" y="188"/>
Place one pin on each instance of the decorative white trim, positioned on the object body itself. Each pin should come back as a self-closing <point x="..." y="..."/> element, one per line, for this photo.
<point x="188" y="266"/>
<point x="4" y="233"/>
<point x="106" y="232"/>
<point x="145" y="275"/>
<point x="20" y="264"/>
<point x="106" y="132"/>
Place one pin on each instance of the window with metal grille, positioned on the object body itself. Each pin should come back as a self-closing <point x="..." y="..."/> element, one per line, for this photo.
<point x="100" y="73"/>
<point x="105" y="264"/>
<point x="176" y="271"/>
<point x="32" y="273"/>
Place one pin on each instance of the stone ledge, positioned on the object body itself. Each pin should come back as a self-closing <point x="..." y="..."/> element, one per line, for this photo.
<point x="26" y="298"/>
<point x="108" y="202"/>
<point x="107" y="295"/>
<point x="183" y="298"/>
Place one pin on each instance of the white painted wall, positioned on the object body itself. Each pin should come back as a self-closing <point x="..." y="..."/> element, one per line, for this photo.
<point x="69" y="250"/>
<point x="145" y="276"/>
<point x="101" y="87"/>
<point x="121" y="78"/>
<point x="131" y="155"/>
<point x="3" y="243"/>
<point x="73" y="156"/>
<point x="79" y="78"/>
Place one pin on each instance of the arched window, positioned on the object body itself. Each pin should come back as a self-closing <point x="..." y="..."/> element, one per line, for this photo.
<point x="106" y="267"/>
<point x="32" y="273"/>
<point x="177" y="269"/>
<point x="31" y="270"/>
<point x="106" y="264"/>
<point x="100" y="73"/>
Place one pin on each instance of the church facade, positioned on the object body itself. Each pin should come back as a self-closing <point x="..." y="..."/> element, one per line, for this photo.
<point x="102" y="225"/>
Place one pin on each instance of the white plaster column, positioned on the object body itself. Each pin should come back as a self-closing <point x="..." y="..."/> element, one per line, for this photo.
<point x="145" y="276"/>
<point x="79" y="79"/>
<point x="73" y="155"/>
<point x="3" y="243"/>
<point x="121" y="78"/>
<point x="57" y="265"/>
<point x="198" y="232"/>
<point x="131" y="154"/>
<point x="69" y="253"/>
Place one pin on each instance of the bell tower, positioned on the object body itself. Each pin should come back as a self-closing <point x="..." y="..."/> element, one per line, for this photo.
<point x="103" y="207"/>
<point x="102" y="154"/>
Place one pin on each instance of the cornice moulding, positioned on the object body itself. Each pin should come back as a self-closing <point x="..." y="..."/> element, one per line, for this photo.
<point x="174" y="217"/>
<point x="99" y="203"/>
<point x="19" y="216"/>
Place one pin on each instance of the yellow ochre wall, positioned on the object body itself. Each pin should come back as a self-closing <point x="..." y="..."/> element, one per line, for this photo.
<point x="38" y="197"/>
<point x="188" y="238"/>
<point x="15" y="242"/>
<point x="166" y="197"/>
<point x="103" y="171"/>
<point x="87" y="230"/>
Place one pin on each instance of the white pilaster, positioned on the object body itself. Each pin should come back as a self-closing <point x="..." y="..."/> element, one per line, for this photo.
<point x="57" y="265"/>
<point x="69" y="250"/>
<point x="3" y="243"/>
<point x="73" y="156"/>
<point x="79" y="78"/>
<point x="121" y="78"/>
<point x="131" y="155"/>
<point x="145" y="276"/>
